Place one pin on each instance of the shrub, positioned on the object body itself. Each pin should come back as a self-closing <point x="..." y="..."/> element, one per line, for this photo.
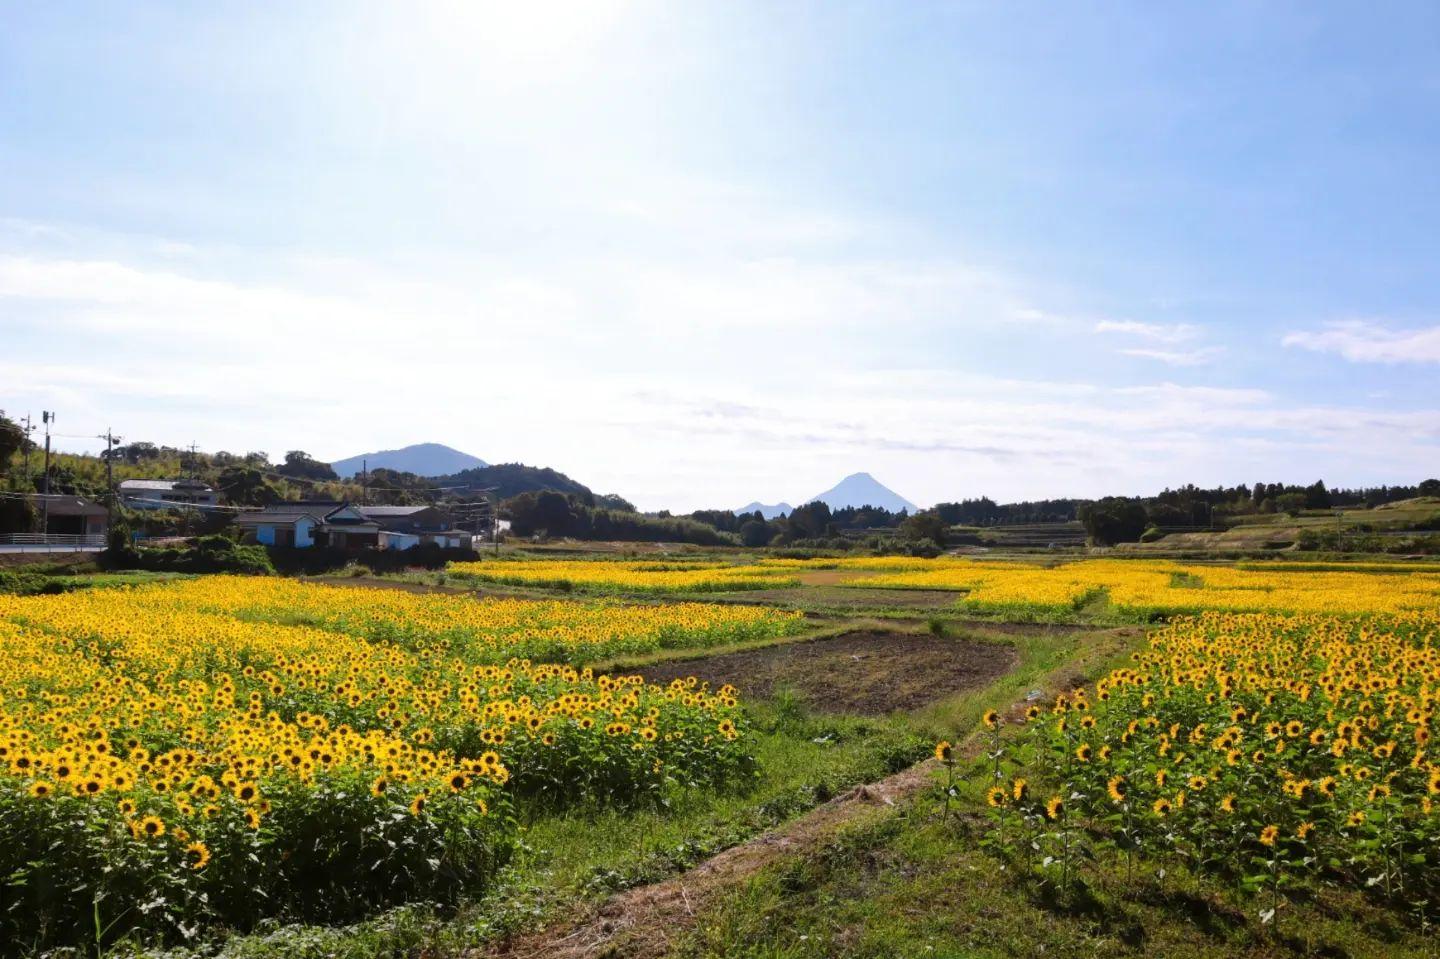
<point x="208" y="554"/>
<point x="25" y="583"/>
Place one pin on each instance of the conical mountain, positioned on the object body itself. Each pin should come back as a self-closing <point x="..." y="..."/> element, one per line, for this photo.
<point x="862" y="489"/>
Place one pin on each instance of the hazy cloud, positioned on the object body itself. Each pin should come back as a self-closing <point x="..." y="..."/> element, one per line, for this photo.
<point x="1197" y="357"/>
<point x="1159" y="333"/>
<point x="1362" y="341"/>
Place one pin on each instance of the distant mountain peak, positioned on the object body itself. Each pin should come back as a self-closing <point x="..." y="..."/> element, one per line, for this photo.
<point x="769" y="511"/>
<point x="862" y="489"/>
<point x="422" y="459"/>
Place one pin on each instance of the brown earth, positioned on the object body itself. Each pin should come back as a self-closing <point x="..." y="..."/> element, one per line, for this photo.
<point x="869" y="673"/>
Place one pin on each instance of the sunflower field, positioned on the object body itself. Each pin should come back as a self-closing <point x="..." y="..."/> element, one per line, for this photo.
<point x="1281" y="751"/>
<point x="488" y="629"/>
<point x="171" y="761"/>
<point x="1148" y="589"/>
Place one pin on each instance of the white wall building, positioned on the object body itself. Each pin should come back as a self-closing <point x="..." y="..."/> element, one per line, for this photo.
<point x="166" y="494"/>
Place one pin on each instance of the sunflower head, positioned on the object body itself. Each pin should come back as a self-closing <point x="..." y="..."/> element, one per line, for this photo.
<point x="198" y="855"/>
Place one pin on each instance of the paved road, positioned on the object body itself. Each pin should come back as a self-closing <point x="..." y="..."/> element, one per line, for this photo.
<point x="41" y="548"/>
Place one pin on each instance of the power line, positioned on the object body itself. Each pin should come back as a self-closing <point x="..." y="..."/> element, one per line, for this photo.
<point x="213" y="506"/>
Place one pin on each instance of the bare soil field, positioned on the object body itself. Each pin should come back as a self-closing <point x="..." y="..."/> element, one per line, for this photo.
<point x="869" y="673"/>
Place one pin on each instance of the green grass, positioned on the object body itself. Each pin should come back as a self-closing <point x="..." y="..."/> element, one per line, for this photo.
<point x="914" y="885"/>
<point x="1046" y="657"/>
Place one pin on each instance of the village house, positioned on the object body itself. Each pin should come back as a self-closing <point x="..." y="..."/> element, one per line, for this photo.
<point x="275" y="526"/>
<point x="77" y="516"/>
<point x="166" y="494"/>
<point x="349" y="526"/>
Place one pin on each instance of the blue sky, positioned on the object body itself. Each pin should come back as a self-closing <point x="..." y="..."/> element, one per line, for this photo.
<point x="705" y="253"/>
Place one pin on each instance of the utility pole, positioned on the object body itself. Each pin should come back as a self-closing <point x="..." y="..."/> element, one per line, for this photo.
<point x="364" y="482"/>
<point x="29" y="428"/>
<point x="495" y="521"/>
<point x="110" y="439"/>
<point x="47" y="418"/>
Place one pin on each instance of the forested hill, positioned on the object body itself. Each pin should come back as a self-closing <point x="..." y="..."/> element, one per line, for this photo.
<point x="512" y="479"/>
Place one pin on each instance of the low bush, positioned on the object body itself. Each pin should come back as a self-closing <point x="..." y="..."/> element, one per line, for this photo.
<point x="208" y="554"/>
<point x="324" y="559"/>
<point x="26" y="583"/>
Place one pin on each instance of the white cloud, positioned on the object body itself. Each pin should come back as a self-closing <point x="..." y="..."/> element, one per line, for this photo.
<point x="698" y="381"/>
<point x="1365" y="342"/>
<point x="1198" y="357"/>
<point x="1159" y="333"/>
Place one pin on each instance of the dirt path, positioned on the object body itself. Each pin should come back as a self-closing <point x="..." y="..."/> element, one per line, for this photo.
<point x="645" y="922"/>
<point x="648" y="921"/>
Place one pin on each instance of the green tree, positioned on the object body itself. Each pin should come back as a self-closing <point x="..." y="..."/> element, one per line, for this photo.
<point x="614" y="501"/>
<point x="17" y="515"/>
<point x="301" y="465"/>
<point x="756" y="532"/>
<point x="809" y="521"/>
<point x="12" y="439"/>
<point x="1292" y="503"/>
<point x="1114" y="519"/>
<point x="246" y="486"/>
<point x="923" y="526"/>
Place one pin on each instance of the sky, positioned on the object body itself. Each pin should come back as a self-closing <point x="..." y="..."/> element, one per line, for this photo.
<point x="705" y="253"/>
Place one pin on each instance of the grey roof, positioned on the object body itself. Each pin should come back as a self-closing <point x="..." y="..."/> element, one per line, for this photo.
<point x="146" y="484"/>
<point x="163" y="485"/>
<point x="266" y="517"/>
<point x="392" y="510"/>
<point x="56" y="505"/>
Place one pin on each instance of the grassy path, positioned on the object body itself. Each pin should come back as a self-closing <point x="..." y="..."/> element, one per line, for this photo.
<point x="648" y="921"/>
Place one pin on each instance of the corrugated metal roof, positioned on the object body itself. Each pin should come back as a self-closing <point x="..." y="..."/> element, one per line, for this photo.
<point x="265" y="517"/>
